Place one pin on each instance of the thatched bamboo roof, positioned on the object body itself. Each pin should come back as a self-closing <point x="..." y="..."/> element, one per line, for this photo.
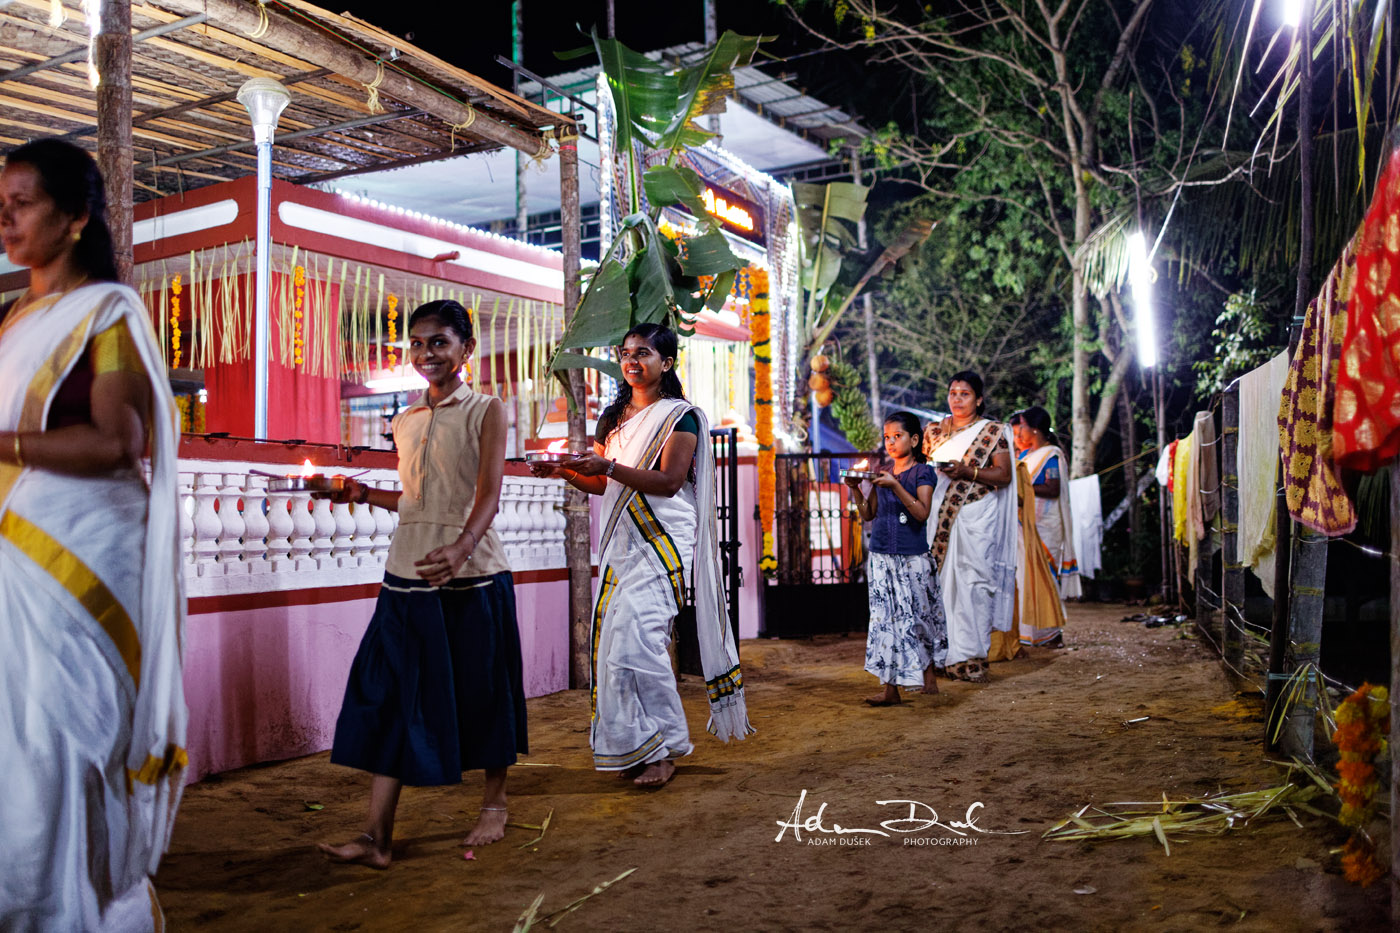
<point x="189" y="58"/>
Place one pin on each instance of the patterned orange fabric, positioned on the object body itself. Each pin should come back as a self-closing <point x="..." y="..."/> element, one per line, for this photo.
<point x="1311" y="480"/>
<point x="1366" y="412"/>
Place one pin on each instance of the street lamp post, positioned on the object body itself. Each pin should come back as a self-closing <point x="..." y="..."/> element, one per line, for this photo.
<point x="265" y="100"/>
<point x="1140" y="278"/>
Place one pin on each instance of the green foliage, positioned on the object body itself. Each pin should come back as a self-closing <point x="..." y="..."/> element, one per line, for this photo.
<point x="645" y="278"/>
<point x="850" y="408"/>
<point x="1243" y="338"/>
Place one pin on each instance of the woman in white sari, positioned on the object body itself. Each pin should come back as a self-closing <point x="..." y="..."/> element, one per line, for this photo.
<point x="972" y="536"/>
<point x="653" y="466"/>
<point x="90" y="578"/>
<point x="1045" y="462"/>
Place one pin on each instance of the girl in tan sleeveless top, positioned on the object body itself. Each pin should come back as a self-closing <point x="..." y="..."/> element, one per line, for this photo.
<point x="435" y="688"/>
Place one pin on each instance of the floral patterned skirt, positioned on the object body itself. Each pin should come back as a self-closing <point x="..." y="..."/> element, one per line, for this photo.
<point x="908" y="631"/>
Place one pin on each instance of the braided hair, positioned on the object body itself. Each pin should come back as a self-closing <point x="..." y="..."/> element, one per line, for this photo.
<point x="663" y="340"/>
<point x="71" y="177"/>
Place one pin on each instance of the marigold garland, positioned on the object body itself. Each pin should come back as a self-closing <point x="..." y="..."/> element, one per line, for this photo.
<point x="175" y="323"/>
<point x="393" y="354"/>
<point x="1363" y="722"/>
<point x="299" y="315"/>
<point x="760" y="336"/>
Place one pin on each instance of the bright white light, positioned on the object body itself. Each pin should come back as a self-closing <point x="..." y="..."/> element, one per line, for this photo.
<point x="1292" y="13"/>
<point x="1140" y="276"/>
<point x="407" y="382"/>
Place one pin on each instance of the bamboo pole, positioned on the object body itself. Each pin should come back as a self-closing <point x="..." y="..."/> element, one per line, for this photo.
<point x="577" y="544"/>
<point x="112" y="57"/>
<point x="278" y="31"/>
<point x="1232" y="582"/>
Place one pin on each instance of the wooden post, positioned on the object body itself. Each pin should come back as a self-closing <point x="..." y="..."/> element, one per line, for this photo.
<point x="577" y="535"/>
<point x="1309" y="578"/>
<point x="112" y="56"/>
<point x="1231" y="566"/>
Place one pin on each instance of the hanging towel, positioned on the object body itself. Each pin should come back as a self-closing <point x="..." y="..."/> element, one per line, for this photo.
<point x="1087" y="506"/>
<point x="1256" y="457"/>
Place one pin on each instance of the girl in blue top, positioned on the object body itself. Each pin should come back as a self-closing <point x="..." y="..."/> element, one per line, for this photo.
<point x="908" y="632"/>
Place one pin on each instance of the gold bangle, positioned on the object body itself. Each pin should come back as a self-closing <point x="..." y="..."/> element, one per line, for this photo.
<point x="975" y="471"/>
<point x="19" y="455"/>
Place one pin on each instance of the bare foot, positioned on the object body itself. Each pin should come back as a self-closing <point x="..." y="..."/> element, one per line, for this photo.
<point x="889" y="698"/>
<point x="930" y="683"/>
<point x="490" y="827"/>
<point x="628" y="774"/>
<point x="359" y="851"/>
<point x="656" y="775"/>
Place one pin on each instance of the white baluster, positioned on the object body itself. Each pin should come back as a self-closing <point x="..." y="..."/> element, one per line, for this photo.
<point x="324" y="524"/>
<point x="207" y="525"/>
<point x="255" y="524"/>
<point x="557" y="523"/>
<point x="231" y="538"/>
<point x="365" y="525"/>
<point x="303" y="527"/>
<point x="185" y="498"/>
<point x="535" y="493"/>
<point x="510" y="520"/>
<point x="279" y="531"/>
<point x="383" y="528"/>
<point x="341" y="540"/>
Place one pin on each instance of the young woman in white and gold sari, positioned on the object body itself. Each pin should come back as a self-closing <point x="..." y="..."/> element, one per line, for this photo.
<point x="653" y="466"/>
<point x="91" y="584"/>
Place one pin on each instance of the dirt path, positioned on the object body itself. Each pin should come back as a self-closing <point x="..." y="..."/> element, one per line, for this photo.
<point x="1044" y="738"/>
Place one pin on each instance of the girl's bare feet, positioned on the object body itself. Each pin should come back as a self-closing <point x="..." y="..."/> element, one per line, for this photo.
<point x="490" y="827"/>
<point x="930" y="682"/>
<point x="889" y="698"/>
<point x="361" y="850"/>
<point x="656" y="775"/>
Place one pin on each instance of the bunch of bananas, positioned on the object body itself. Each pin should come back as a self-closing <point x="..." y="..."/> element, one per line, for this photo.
<point x="837" y="384"/>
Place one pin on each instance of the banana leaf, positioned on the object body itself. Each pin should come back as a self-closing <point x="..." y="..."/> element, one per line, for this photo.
<point x="705" y="86"/>
<point x="709" y="254"/>
<point x="667" y="185"/>
<point x="605" y="313"/>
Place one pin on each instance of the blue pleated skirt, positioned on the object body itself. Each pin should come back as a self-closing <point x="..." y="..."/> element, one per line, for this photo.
<point x="435" y="688"/>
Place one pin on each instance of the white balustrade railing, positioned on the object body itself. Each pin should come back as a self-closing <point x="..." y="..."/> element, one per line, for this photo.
<point x="239" y="538"/>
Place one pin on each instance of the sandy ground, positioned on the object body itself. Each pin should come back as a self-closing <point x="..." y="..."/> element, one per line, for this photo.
<point x="1044" y="738"/>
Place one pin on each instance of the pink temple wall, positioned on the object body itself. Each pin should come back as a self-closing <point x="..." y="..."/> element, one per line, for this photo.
<point x="263" y="684"/>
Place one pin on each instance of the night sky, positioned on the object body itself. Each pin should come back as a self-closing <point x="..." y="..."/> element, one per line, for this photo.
<point x="472" y="40"/>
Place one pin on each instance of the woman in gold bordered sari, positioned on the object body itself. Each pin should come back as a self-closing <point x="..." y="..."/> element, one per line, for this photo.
<point x="654" y="467"/>
<point x="90" y="575"/>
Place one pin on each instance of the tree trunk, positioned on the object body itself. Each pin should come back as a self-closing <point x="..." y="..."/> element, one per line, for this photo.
<point x="112" y="56"/>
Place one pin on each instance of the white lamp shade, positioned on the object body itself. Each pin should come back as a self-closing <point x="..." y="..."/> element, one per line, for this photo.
<point x="265" y="100"/>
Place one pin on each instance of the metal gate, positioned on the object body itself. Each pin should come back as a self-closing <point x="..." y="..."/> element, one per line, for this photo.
<point x="820" y="582"/>
<point x="725" y="443"/>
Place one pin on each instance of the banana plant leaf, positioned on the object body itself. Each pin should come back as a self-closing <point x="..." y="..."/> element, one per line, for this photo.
<point x="666" y="186"/>
<point x="605" y="313"/>
<point x="705" y="86"/>
<point x="826" y="218"/>
<point x="709" y="254"/>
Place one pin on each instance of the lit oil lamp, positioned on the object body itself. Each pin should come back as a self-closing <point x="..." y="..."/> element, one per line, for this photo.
<point x="308" y="480"/>
<point x="859" y="471"/>
<point x="556" y="452"/>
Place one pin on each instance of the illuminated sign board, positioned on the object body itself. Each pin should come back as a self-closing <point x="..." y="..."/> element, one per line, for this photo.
<point x="735" y="214"/>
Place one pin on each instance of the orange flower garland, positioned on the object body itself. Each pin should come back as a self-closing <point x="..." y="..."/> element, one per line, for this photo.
<point x="298" y="315"/>
<point x="1363" y="722"/>
<point x="393" y="330"/>
<point x="175" y="323"/>
<point x="760" y="336"/>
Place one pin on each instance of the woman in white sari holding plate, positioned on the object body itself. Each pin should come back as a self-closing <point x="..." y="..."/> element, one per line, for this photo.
<point x="90" y="577"/>
<point x="1045" y="462"/>
<point x="972" y="536"/>
<point x="653" y="466"/>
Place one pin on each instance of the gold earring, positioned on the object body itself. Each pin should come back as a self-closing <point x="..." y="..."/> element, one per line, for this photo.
<point x="77" y="236"/>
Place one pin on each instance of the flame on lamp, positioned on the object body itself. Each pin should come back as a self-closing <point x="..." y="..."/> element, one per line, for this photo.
<point x="558" y="447"/>
<point x="307" y="469"/>
<point x="864" y="464"/>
